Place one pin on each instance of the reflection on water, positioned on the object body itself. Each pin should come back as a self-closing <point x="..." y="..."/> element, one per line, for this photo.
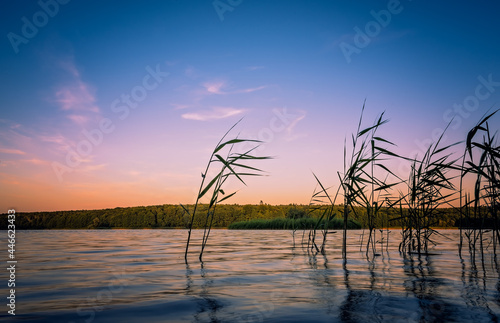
<point x="247" y="276"/>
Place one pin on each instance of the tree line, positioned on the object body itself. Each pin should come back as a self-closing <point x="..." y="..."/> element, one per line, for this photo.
<point x="174" y="216"/>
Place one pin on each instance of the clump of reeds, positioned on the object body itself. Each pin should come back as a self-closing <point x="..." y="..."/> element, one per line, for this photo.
<point x="232" y="165"/>
<point x="359" y="184"/>
<point x="481" y="160"/>
<point x="429" y="187"/>
<point x="321" y="202"/>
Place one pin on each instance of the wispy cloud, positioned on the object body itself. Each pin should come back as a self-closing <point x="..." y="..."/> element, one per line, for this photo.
<point x="292" y="125"/>
<point x="191" y="72"/>
<point x="9" y="124"/>
<point x="158" y="176"/>
<point x="35" y="161"/>
<point x="12" y="151"/>
<point x="215" y="87"/>
<point x="75" y="95"/>
<point x="58" y="139"/>
<point x="254" y="68"/>
<point x="180" y="106"/>
<point x="221" y="87"/>
<point x="92" y="168"/>
<point x="78" y="118"/>
<point x="250" y="90"/>
<point x="290" y="133"/>
<point x="60" y="142"/>
<point x="213" y="114"/>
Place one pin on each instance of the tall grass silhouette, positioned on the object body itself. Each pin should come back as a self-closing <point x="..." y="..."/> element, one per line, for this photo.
<point x="234" y="164"/>
<point x="420" y="198"/>
<point x="429" y="187"/>
<point x="481" y="161"/>
<point x="359" y="183"/>
<point x="366" y="184"/>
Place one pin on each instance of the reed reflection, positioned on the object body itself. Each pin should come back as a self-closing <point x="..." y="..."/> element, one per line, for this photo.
<point x="324" y="281"/>
<point x="428" y="288"/>
<point x="474" y="291"/>
<point x="208" y="305"/>
<point x="361" y="302"/>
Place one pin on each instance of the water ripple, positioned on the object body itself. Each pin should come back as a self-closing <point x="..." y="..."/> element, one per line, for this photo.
<point x="246" y="276"/>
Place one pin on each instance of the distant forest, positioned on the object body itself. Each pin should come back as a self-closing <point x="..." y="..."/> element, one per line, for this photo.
<point x="173" y="216"/>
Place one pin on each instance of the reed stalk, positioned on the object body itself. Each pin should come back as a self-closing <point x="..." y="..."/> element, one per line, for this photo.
<point x="481" y="160"/>
<point x="233" y="165"/>
<point x="429" y="187"/>
<point x="359" y="184"/>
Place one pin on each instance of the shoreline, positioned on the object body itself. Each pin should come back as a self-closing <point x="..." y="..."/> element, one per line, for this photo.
<point x="223" y="228"/>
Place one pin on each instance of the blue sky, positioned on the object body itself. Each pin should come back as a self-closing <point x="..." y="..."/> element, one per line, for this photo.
<point x="263" y="60"/>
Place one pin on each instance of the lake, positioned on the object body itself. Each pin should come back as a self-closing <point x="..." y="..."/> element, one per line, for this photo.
<point x="246" y="276"/>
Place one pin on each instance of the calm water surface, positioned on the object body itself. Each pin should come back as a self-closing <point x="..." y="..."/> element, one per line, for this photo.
<point x="246" y="276"/>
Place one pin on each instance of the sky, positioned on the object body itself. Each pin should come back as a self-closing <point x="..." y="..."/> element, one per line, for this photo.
<point x="119" y="103"/>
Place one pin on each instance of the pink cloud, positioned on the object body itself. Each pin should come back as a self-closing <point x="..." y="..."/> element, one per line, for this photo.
<point x="79" y="119"/>
<point x="180" y="106"/>
<point x="250" y="90"/>
<point x="254" y="68"/>
<point x="12" y="151"/>
<point x="36" y="161"/>
<point x="217" y="87"/>
<point x="213" y="114"/>
<point x="76" y="97"/>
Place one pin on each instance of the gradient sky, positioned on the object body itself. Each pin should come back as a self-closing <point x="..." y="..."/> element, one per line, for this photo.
<point x="298" y="71"/>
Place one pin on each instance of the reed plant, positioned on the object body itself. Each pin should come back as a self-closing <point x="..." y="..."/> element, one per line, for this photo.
<point x="233" y="165"/>
<point x="429" y="187"/>
<point x="360" y="184"/>
<point x="481" y="161"/>
<point x="364" y="185"/>
<point x="321" y="203"/>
